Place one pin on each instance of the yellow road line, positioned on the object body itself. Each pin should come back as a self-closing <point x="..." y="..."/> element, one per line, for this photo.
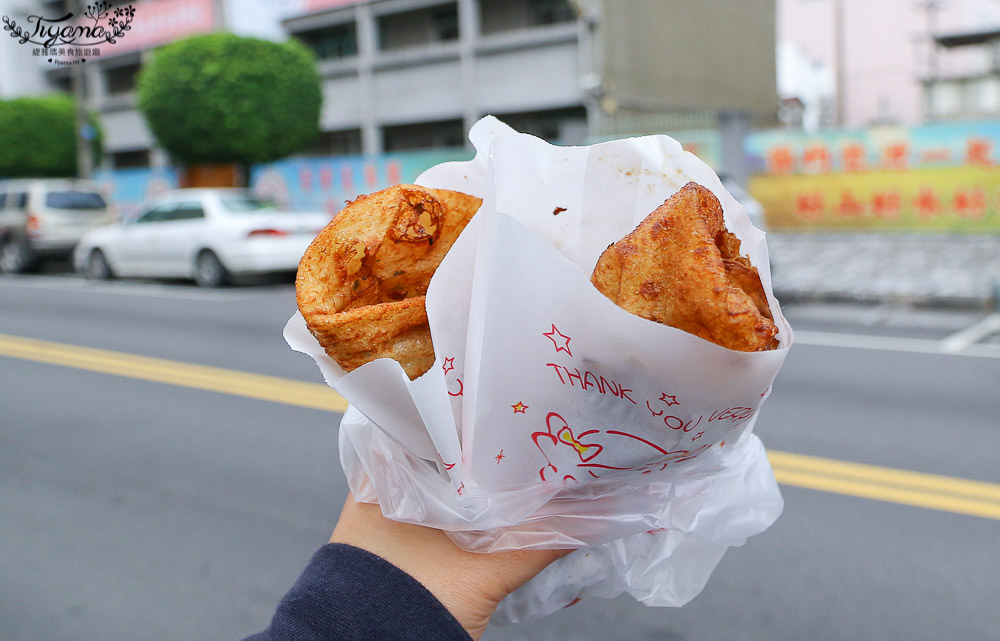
<point x="904" y="479"/>
<point x="215" y="379"/>
<point x="919" y="498"/>
<point x="945" y="493"/>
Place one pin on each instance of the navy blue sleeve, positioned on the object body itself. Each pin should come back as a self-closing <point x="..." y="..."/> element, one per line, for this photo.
<point x="348" y="594"/>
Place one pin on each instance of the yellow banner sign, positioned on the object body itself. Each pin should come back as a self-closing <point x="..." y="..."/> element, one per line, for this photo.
<point x="962" y="198"/>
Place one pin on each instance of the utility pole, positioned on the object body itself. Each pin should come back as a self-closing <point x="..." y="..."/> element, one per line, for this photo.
<point x="219" y="9"/>
<point x="839" y="56"/>
<point x="84" y="130"/>
<point x="733" y="127"/>
<point x="932" y="7"/>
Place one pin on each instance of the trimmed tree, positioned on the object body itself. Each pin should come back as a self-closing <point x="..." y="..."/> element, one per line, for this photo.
<point x="221" y="98"/>
<point x="38" y="137"/>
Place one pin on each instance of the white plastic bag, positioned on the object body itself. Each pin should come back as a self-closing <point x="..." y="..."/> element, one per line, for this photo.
<point x="552" y="418"/>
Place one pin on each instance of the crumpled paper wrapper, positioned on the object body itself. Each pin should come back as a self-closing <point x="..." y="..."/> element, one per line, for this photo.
<point x="551" y="417"/>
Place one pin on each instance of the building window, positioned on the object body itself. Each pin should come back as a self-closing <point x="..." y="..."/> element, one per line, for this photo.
<point x="444" y="24"/>
<point x="120" y="80"/>
<point x="55" y="7"/>
<point x="551" y="11"/>
<point x="945" y="99"/>
<point x="331" y="43"/>
<point x="130" y="159"/>
<point x="425" y="135"/>
<point x="988" y="95"/>
<point x="566" y="126"/>
<point x="62" y="83"/>
<point x="346" y="142"/>
<point x="418" y="28"/>
<point x="498" y="16"/>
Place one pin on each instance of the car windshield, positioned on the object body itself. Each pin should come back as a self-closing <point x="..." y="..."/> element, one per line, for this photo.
<point x="72" y="199"/>
<point x="239" y="204"/>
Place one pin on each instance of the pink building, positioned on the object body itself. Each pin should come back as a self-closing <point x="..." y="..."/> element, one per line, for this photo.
<point x="860" y="62"/>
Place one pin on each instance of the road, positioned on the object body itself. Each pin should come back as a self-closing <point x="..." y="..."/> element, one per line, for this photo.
<point x="147" y="504"/>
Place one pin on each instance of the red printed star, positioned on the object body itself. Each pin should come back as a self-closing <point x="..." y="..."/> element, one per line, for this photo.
<point x="448" y="365"/>
<point x="561" y="343"/>
<point x="668" y="399"/>
<point x="499" y="457"/>
<point x="519" y="407"/>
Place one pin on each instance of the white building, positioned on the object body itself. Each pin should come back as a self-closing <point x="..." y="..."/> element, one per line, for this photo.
<point x="406" y="74"/>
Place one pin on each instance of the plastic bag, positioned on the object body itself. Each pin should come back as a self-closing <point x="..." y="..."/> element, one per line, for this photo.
<point x="551" y="417"/>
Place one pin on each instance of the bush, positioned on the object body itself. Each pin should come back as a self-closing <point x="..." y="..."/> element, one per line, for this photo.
<point x="38" y="137"/>
<point x="222" y="98"/>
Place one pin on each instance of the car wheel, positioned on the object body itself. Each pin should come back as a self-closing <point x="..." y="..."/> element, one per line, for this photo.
<point x="15" y="256"/>
<point x="98" y="267"/>
<point x="209" y="270"/>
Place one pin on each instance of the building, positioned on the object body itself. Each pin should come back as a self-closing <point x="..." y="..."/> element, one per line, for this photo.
<point x="402" y="74"/>
<point x="107" y="79"/>
<point x="963" y="81"/>
<point x="856" y="63"/>
<point x="409" y="74"/>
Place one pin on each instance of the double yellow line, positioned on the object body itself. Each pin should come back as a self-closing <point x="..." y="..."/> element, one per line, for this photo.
<point x="945" y="493"/>
<point x="949" y="494"/>
<point x="160" y="370"/>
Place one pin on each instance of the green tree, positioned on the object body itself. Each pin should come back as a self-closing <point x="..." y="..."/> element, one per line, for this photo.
<point x="222" y="98"/>
<point x="38" y="136"/>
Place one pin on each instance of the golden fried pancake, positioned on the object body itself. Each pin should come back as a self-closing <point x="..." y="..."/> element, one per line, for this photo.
<point x="682" y="268"/>
<point x="361" y="283"/>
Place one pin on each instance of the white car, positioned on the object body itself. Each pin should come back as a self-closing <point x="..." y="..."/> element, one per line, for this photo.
<point x="210" y="235"/>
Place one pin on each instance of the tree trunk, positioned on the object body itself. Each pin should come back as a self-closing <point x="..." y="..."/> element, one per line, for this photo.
<point x="228" y="175"/>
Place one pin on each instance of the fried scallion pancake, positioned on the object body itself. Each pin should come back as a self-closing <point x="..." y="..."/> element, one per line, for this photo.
<point x="361" y="284"/>
<point x="683" y="268"/>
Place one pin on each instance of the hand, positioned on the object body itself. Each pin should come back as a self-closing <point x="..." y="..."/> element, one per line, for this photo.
<point x="469" y="584"/>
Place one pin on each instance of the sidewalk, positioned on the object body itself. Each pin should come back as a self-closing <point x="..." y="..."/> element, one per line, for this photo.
<point x="920" y="269"/>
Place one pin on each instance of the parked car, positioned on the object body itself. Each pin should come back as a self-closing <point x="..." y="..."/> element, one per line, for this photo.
<point x="44" y="218"/>
<point x="209" y="235"/>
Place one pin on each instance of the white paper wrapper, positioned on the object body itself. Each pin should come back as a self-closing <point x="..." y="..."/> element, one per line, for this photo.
<point x="551" y="417"/>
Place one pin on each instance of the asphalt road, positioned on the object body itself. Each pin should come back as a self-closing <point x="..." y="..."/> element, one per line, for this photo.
<point x="133" y="508"/>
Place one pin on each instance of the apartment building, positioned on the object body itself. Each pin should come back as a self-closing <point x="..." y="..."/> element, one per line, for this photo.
<point x="415" y="74"/>
<point x="897" y="62"/>
<point x="962" y="81"/>
<point x="411" y="73"/>
<point x="406" y="74"/>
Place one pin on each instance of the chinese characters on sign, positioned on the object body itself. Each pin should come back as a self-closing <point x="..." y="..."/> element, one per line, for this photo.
<point x="944" y="177"/>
